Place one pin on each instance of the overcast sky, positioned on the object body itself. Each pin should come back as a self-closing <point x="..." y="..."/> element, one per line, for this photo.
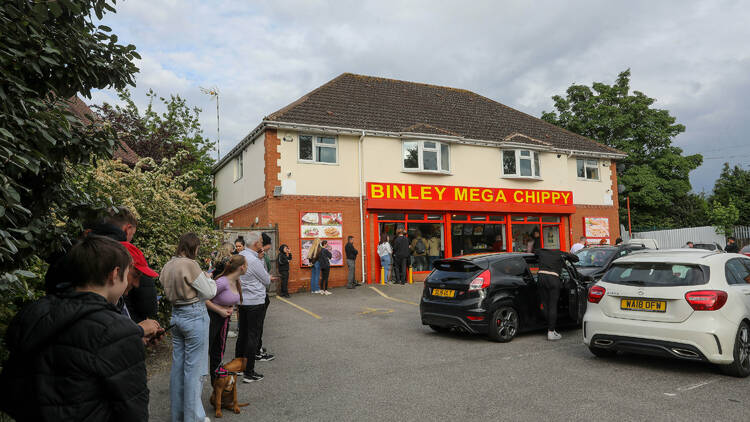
<point x="693" y="57"/>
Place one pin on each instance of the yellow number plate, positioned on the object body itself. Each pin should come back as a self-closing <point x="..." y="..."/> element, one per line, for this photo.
<point x="645" y="305"/>
<point x="443" y="292"/>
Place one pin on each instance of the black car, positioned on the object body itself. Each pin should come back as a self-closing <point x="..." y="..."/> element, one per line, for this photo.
<point x="594" y="261"/>
<point x="708" y="246"/>
<point x="495" y="294"/>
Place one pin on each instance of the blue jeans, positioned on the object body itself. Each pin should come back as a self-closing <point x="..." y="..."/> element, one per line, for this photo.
<point x="385" y="262"/>
<point x="189" y="362"/>
<point x="315" y="277"/>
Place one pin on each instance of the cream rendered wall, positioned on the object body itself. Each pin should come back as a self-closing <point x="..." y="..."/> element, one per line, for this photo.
<point x="231" y="194"/>
<point x="470" y="166"/>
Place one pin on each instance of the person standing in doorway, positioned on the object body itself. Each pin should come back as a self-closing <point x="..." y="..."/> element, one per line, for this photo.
<point x="351" y="260"/>
<point x="384" y="252"/>
<point x="324" y="257"/>
<point x="551" y="262"/>
<point x="312" y="258"/>
<point x="401" y="257"/>
<point x="419" y="251"/>
<point x="433" y="250"/>
<point x="285" y="257"/>
<point x="578" y="246"/>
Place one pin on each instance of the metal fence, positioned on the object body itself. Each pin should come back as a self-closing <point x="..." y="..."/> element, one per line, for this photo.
<point x="230" y="235"/>
<point x="677" y="238"/>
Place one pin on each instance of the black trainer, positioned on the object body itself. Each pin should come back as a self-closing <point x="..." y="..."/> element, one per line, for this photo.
<point x="252" y="377"/>
<point x="265" y="357"/>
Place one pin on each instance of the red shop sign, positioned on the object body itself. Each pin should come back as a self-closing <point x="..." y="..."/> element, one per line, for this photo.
<point x="464" y="198"/>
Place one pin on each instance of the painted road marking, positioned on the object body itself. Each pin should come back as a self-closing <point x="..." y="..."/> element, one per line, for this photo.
<point x="393" y="298"/>
<point x="312" y="314"/>
<point x="376" y="311"/>
<point x="692" y="387"/>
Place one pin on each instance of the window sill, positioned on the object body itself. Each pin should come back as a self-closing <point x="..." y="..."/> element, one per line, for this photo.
<point x="435" y="172"/>
<point x="536" y="178"/>
<point x="581" y="179"/>
<point x="316" y="162"/>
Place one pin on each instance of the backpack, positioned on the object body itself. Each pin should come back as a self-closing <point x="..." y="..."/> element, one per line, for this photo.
<point x="420" y="248"/>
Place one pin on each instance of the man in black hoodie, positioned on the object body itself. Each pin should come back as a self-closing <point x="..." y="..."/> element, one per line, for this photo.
<point x="401" y="257"/>
<point x="74" y="356"/>
<point x="551" y="263"/>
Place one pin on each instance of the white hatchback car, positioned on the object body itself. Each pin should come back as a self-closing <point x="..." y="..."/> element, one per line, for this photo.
<point x="685" y="303"/>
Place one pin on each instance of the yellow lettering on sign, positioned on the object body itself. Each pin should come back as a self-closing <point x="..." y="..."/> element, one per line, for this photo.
<point x="500" y="196"/>
<point x="388" y="191"/>
<point x="516" y="196"/>
<point x="474" y="195"/>
<point x="486" y="195"/>
<point x="545" y="197"/>
<point x="376" y="191"/>
<point x="555" y="197"/>
<point x="425" y="192"/>
<point x="410" y="195"/>
<point x="530" y="196"/>
<point x="461" y="194"/>
<point x="399" y="191"/>
<point x="565" y="196"/>
<point x="440" y="193"/>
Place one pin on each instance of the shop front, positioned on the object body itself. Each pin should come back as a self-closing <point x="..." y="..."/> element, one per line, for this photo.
<point x="447" y="221"/>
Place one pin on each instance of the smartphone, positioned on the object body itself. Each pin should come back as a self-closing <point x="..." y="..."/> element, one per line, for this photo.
<point x="163" y="332"/>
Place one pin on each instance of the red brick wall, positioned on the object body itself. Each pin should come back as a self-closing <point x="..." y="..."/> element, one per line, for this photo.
<point x="285" y="211"/>
<point x="271" y="158"/>
<point x="244" y="216"/>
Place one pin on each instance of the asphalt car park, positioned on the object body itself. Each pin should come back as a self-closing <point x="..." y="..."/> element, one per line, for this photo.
<point x="364" y="354"/>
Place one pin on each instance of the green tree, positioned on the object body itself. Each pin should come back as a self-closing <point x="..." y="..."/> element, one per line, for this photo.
<point x="49" y="52"/>
<point x="161" y="136"/>
<point x="655" y="174"/>
<point x="724" y="217"/>
<point x="732" y="187"/>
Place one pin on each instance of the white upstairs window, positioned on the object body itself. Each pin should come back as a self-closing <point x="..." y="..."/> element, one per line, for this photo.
<point x="318" y="149"/>
<point x="426" y="156"/>
<point x="587" y="169"/>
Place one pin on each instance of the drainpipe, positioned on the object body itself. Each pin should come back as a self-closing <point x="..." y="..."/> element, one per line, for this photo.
<point x="361" y="212"/>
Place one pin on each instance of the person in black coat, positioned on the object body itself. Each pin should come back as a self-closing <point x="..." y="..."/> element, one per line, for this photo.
<point x="551" y="263"/>
<point x="732" y="245"/>
<point x="324" y="258"/>
<point x="74" y="356"/>
<point x="400" y="257"/>
<point x="285" y="257"/>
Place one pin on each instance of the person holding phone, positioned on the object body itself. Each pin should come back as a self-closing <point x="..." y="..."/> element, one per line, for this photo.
<point x="228" y="294"/>
<point x="324" y="258"/>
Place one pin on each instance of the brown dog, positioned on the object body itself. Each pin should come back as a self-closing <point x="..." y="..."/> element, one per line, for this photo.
<point x="225" y="387"/>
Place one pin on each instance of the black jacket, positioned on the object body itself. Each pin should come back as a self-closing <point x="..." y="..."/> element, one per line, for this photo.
<point x="401" y="247"/>
<point x="552" y="260"/>
<point x="733" y="248"/>
<point x="324" y="258"/>
<point x="284" y="260"/>
<point x="74" y="358"/>
<point x="351" y="252"/>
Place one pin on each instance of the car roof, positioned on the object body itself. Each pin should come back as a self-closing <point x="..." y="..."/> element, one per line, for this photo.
<point x="685" y="255"/>
<point x="489" y="255"/>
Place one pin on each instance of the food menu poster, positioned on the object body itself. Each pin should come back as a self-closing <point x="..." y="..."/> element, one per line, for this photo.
<point x="596" y="227"/>
<point x="322" y="225"/>
<point x="336" y="246"/>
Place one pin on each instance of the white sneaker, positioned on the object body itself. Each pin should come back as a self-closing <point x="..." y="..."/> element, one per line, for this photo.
<point x="327" y="293"/>
<point x="553" y="335"/>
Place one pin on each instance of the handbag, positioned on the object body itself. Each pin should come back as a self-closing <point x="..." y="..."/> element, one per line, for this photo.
<point x="204" y="286"/>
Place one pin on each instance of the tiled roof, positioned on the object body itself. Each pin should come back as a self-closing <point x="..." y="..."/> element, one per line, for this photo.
<point x="388" y="105"/>
<point x="123" y="152"/>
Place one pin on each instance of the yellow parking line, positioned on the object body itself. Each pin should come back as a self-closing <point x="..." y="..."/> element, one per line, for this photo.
<point x="392" y="298"/>
<point x="312" y="314"/>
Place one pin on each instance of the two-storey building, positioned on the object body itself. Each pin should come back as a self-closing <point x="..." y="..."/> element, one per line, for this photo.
<point x="365" y="156"/>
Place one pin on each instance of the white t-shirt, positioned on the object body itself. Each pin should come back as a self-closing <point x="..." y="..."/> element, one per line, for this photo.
<point x="384" y="249"/>
<point x="577" y="247"/>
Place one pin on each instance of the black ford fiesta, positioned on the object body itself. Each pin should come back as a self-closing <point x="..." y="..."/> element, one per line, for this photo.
<point x="496" y="294"/>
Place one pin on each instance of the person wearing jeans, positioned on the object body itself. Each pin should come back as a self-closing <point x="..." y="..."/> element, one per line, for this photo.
<point x="351" y="259"/>
<point x="312" y="257"/>
<point x="181" y="278"/>
<point x="384" y="252"/>
<point x="324" y="258"/>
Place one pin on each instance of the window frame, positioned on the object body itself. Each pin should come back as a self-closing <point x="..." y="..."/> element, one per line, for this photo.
<point x="534" y="159"/>
<point x="238" y="167"/>
<point x="315" y="139"/>
<point x="586" y="166"/>
<point x="438" y="150"/>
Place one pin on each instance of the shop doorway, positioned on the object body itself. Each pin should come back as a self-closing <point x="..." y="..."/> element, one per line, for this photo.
<point x="425" y="232"/>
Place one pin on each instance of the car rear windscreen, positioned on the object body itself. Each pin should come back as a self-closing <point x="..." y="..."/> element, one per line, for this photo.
<point x="457" y="266"/>
<point x="656" y="274"/>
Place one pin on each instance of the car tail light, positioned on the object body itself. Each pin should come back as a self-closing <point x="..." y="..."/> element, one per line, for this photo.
<point x="475" y="318"/>
<point x="706" y="300"/>
<point x="482" y="281"/>
<point x="596" y="293"/>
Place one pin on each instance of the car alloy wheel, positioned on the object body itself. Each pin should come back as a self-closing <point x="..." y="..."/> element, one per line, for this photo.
<point x="741" y="365"/>
<point x="504" y="324"/>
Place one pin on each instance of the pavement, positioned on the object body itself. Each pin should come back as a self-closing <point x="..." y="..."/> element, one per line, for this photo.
<point x="364" y="355"/>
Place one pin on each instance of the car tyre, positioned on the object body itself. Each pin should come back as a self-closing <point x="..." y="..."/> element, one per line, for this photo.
<point x="602" y="353"/>
<point x="741" y="366"/>
<point x="439" y="329"/>
<point x="504" y="324"/>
